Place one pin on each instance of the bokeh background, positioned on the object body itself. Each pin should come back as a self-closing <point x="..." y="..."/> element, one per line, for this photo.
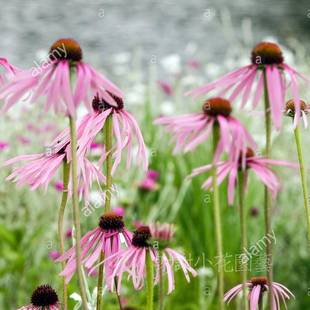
<point x="155" y="51"/>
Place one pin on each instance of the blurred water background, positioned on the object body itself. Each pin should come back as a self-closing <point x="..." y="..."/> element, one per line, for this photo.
<point x="158" y="27"/>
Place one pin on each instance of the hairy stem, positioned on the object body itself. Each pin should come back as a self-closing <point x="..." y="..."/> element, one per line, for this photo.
<point x="243" y="232"/>
<point x="108" y="139"/>
<point x="303" y="178"/>
<point x="61" y="235"/>
<point x="149" y="281"/>
<point x="217" y="223"/>
<point x="76" y="210"/>
<point x="267" y="199"/>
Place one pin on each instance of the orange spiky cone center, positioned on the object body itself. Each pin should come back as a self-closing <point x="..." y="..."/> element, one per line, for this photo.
<point x="217" y="106"/>
<point x="266" y="53"/>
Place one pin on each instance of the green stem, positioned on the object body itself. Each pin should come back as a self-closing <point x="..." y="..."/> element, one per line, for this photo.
<point x="243" y="231"/>
<point x="217" y="221"/>
<point x="61" y="235"/>
<point x="303" y="178"/>
<point x="118" y="296"/>
<point x="108" y="133"/>
<point x="267" y="199"/>
<point x="76" y="210"/>
<point x="161" y="281"/>
<point x="149" y="281"/>
<point x="260" y="302"/>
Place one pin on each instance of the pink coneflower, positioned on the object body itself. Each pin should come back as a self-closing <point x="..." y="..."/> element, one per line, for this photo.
<point x="162" y="235"/>
<point x="105" y="238"/>
<point x="166" y="88"/>
<point x="193" y="129"/>
<point x="148" y="185"/>
<point x="39" y="169"/>
<point x="257" y="286"/>
<point x="152" y="174"/>
<point x="133" y="259"/>
<point x="43" y="297"/>
<point x="4" y="145"/>
<point x="59" y="186"/>
<point x="69" y="233"/>
<point x="229" y="169"/>
<point x="267" y="60"/>
<point x="304" y="110"/>
<point x="95" y="146"/>
<point x="125" y="130"/>
<point x="52" y="79"/>
<point x="194" y="64"/>
<point x="53" y="255"/>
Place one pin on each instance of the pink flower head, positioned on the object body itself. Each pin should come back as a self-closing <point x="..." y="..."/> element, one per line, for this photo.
<point x="163" y="232"/>
<point x="152" y="174"/>
<point x="105" y="238"/>
<point x="229" y="169"/>
<point x="193" y="129"/>
<point x="69" y="233"/>
<point x="304" y="110"/>
<point x="39" y="169"/>
<point x="194" y="64"/>
<point x="4" y="145"/>
<point x="125" y="130"/>
<point x="133" y="259"/>
<point x="95" y="146"/>
<point x="53" y="255"/>
<point x="9" y="71"/>
<point x="52" y="80"/>
<point x="148" y="185"/>
<point x="59" y="186"/>
<point x="43" y="297"/>
<point x="257" y="287"/>
<point x="162" y="235"/>
<point x="166" y="88"/>
<point x="267" y="61"/>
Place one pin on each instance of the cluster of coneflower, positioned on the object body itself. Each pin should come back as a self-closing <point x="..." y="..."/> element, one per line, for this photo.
<point x="65" y="82"/>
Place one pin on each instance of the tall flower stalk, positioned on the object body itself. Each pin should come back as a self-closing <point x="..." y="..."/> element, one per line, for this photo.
<point x="217" y="221"/>
<point x="243" y="232"/>
<point x="149" y="282"/>
<point x="76" y="210"/>
<point x="290" y="111"/>
<point x="161" y="294"/>
<point x="61" y="213"/>
<point x="303" y="178"/>
<point x="108" y="137"/>
<point x="267" y="198"/>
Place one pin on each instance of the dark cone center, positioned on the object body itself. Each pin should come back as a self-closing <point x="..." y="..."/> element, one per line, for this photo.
<point x="43" y="296"/>
<point x="261" y="280"/>
<point x="290" y="107"/>
<point x="217" y="106"/>
<point x="141" y="237"/>
<point x="249" y="153"/>
<point x="266" y="53"/>
<point x="99" y="104"/>
<point x="111" y="221"/>
<point x="66" y="49"/>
